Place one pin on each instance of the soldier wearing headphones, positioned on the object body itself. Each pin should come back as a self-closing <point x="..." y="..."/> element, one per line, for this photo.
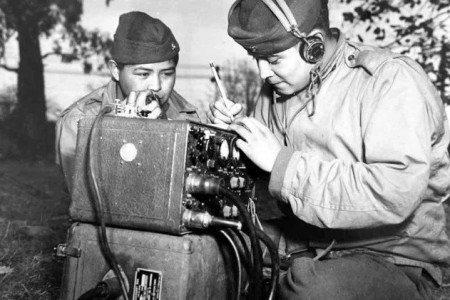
<point x="354" y="140"/>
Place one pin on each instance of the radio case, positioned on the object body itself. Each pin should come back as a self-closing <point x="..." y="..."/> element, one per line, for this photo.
<point x="187" y="267"/>
<point x="143" y="192"/>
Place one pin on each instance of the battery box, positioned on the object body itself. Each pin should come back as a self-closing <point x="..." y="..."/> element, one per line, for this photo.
<point x="157" y="266"/>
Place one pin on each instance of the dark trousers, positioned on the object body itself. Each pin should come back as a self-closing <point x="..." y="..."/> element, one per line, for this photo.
<point x="354" y="276"/>
<point x="351" y="276"/>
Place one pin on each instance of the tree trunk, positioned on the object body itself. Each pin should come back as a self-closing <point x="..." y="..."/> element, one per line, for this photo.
<point x="29" y="118"/>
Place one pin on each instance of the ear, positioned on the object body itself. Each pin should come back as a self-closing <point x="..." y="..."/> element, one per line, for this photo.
<point x="113" y="69"/>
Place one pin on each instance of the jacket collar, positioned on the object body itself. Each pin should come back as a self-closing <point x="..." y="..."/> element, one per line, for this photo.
<point x="326" y="67"/>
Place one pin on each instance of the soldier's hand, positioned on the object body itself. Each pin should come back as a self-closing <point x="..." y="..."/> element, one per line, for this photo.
<point x="257" y="142"/>
<point x="219" y="114"/>
<point x="144" y="108"/>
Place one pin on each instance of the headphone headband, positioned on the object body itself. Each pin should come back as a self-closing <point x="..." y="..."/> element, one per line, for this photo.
<point x="314" y="49"/>
<point x="285" y="16"/>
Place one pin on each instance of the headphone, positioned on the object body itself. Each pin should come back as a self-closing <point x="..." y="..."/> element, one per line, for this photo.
<point x="312" y="49"/>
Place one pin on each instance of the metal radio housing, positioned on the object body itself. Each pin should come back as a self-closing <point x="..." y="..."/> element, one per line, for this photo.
<point x="142" y="167"/>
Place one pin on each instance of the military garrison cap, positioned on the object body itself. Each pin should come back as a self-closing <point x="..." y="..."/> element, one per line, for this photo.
<point x="141" y="39"/>
<point x="253" y="25"/>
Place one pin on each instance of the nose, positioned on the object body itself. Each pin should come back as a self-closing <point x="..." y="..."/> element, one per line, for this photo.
<point x="155" y="83"/>
<point x="264" y="69"/>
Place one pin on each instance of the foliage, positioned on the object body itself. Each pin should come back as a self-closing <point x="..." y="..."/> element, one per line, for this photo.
<point x="58" y="20"/>
<point x="44" y="14"/>
<point x="417" y="28"/>
<point x="82" y="44"/>
<point x="28" y="21"/>
<point x="242" y="82"/>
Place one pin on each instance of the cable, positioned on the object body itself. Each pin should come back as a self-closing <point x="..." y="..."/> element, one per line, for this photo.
<point x="244" y="252"/>
<point x="107" y="289"/>
<point x="198" y="184"/>
<point x="94" y="293"/>
<point x="249" y="228"/>
<point x="99" y="204"/>
<point x="275" y="261"/>
<point x="326" y="251"/>
<point x="238" y="262"/>
<point x="271" y="247"/>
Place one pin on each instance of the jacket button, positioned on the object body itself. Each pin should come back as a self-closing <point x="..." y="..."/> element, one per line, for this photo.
<point x="351" y="57"/>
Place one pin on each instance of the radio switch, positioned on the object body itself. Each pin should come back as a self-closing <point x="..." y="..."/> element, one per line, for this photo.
<point x="234" y="182"/>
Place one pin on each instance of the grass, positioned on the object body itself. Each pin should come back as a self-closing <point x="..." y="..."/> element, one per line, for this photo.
<point x="33" y="207"/>
<point x="33" y="220"/>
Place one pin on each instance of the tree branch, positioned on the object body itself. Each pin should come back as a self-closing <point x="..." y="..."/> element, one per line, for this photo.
<point x="9" y="68"/>
<point x="48" y="54"/>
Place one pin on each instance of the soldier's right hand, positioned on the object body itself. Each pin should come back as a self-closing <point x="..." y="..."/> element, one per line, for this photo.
<point x="138" y="99"/>
<point x="220" y="114"/>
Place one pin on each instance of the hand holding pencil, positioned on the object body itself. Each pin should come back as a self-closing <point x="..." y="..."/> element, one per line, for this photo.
<point x="222" y="111"/>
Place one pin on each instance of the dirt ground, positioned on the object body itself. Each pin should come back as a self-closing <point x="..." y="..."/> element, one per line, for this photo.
<point x="33" y="219"/>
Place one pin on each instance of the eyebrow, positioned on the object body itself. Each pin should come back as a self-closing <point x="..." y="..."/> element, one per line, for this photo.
<point x="151" y="70"/>
<point x="265" y="57"/>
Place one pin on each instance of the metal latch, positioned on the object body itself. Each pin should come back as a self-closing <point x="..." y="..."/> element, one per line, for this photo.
<point x="62" y="250"/>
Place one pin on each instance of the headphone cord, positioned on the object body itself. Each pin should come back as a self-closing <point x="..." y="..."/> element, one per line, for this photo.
<point x="317" y="76"/>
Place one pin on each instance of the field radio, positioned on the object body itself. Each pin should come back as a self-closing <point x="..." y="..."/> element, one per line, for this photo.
<point x="157" y="175"/>
<point x="149" y="183"/>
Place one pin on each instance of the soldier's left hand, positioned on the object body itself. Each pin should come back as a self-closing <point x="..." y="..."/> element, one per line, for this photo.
<point x="257" y="142"/>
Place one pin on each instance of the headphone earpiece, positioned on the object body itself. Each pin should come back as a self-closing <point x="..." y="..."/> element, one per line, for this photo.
<point x="312" y="49"/>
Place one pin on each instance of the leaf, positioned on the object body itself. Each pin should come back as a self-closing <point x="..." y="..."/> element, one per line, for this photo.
<point x="5" y="270"/>
<point x="348" y="17"/>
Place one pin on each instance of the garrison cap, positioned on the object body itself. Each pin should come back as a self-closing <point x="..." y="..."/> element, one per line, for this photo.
<point x="253" y="25"/>
<point x="141" y="39"/>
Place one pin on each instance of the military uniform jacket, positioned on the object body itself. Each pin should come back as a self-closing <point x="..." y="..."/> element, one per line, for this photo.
<point x="370" y="165"/>
<point x="90" y="105"/>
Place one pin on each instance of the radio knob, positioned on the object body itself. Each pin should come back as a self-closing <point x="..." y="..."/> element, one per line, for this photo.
<point x="211" y="163"/>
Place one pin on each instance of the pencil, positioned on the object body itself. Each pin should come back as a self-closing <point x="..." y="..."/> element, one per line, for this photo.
<point x="228" y="103"/>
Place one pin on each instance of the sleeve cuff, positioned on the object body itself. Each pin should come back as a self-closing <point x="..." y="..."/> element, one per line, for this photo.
<point x="278" y="172"/>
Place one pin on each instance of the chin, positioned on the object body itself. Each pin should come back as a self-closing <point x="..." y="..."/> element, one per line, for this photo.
<point x="283" y="91"/>
<point x="289" y="90"/>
